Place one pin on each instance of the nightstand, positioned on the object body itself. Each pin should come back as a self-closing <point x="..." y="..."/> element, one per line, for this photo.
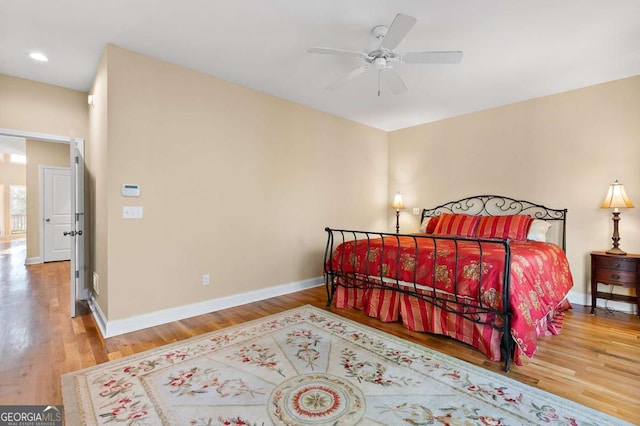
<point x="617" y="270"/>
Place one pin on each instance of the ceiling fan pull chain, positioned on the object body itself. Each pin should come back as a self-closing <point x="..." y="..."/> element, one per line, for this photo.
<point x="379" y="72"/>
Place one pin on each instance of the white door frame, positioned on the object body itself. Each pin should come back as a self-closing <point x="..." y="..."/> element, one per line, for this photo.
<point x="77" y="287"/>
<point x="78" y="266"/>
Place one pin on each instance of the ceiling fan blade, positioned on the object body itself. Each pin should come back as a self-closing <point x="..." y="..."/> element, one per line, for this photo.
<point x="397" y="31"/>
<point x="340" y="52"/>
<point x="353" y="74"/>
<point x="394" y="81"/>
<point x="446" y="57"/>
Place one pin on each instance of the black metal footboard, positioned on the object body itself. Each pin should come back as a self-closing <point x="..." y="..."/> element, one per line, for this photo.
<point x="420" y="253"/>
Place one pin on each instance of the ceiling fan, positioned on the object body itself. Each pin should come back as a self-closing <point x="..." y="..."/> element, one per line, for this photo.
<point x="381" y="55"/>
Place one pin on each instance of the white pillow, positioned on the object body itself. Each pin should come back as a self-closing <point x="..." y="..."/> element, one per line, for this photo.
<point x="423" y="225"/>
<point x="538" y="230"/>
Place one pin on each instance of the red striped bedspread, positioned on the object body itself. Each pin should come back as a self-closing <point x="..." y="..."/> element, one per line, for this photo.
<point x="540" y="278"/>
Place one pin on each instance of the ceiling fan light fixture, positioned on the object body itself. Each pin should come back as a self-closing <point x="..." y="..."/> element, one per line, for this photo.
<point x="380" y="63"/>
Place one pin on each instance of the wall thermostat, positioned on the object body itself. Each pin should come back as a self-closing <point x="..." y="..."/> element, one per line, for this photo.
<point x="130" y="190"/>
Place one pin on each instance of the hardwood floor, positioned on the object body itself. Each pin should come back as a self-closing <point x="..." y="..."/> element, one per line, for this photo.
<point x="595" y="361"/>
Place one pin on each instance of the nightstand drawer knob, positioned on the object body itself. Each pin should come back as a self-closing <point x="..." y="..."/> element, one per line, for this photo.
<point x="615" y="276"/>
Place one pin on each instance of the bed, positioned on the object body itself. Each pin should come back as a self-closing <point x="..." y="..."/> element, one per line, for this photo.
<point x="487" y="270"/>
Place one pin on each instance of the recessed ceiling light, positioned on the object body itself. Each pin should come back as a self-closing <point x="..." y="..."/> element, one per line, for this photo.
<point x="37" y="56"/>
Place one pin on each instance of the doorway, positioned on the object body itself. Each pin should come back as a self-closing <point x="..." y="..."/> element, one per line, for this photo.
<point x="76" y="217"/>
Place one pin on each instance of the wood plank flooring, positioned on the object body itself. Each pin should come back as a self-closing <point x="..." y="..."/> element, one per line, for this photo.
<point x="595" y="361"/>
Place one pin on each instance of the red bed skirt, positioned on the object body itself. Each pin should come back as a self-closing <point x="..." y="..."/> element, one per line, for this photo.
<point x="418" y="315"/>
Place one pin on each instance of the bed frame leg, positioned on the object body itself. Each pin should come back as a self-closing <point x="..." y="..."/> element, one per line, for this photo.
<point x="330" y="288"/>
<point x="508" y="342"/>
<point x="508" y="354"/>
<point x="507" y="361"/>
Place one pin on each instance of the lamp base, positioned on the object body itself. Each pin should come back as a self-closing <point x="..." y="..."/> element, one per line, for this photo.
<point x="616" y="251"/>
<point x="616" y="236"/>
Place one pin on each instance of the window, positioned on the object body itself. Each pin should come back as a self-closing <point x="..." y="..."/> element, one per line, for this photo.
<point x="18" y="159"/>
<point x="18" y="209"/>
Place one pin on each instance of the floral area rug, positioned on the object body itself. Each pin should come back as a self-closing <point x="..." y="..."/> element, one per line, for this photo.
<point x="306" y="366"/>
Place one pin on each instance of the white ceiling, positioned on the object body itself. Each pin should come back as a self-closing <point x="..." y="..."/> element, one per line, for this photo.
<point x="513" y="50"/>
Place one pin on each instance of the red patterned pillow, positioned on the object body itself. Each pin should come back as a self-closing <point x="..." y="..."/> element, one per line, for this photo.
<point x="428" y="225"/>
<point x="457" y="225"/>
<point x="431" y="227"/>
<point x="513" y="227"/>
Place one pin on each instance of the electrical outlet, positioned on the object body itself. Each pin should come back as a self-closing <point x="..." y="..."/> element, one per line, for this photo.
<point x="206" y="279"/>
<point x="96" y="283"/>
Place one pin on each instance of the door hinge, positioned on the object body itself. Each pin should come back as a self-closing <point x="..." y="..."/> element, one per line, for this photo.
<point x="77" y="274"/>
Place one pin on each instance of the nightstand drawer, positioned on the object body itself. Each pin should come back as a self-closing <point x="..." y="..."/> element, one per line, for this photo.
<point x="618" y="264"/>
<point x="613" y="276"/>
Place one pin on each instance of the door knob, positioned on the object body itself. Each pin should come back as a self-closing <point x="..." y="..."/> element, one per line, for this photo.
<point x="47" y="220"/>
<point x="72" y="233"/>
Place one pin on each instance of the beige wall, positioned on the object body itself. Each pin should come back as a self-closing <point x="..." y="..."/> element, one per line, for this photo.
<point x="235" y="183"/>
<point x="223" y="168"/>
<point x="39" y="154"/>
<point x="37" y="107"/>
<point x="10" y="174"/>
<point x="96" y="185"/>
<point x="561" y="151"/>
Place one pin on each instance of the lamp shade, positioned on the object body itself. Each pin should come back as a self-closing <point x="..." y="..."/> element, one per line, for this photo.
<point x="616" y="198"/>
<point x="397" y="202"/>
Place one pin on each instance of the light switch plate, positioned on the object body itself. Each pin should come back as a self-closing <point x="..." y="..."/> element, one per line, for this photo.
<point x="416" y="211"/>
<point x="131" y="212"/>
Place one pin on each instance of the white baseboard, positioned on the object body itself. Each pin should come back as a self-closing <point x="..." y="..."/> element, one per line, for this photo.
<point x="139" y="322"/>
<point x="32" y="260"/>
<point x="117" y="327"/>
<point x="585" y="300"/>
<point x="98" y="315"/>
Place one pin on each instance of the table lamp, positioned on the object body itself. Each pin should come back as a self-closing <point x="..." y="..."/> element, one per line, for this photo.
<point x="397" y="204"/>
<point x="616" y="199"/>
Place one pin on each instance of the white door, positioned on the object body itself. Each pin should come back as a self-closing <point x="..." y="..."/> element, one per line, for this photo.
<point x="56" y="182"/>
<point x="77" y="232"/>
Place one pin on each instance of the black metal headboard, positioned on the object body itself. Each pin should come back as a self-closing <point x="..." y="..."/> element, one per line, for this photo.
<point x="498" y="205"/>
